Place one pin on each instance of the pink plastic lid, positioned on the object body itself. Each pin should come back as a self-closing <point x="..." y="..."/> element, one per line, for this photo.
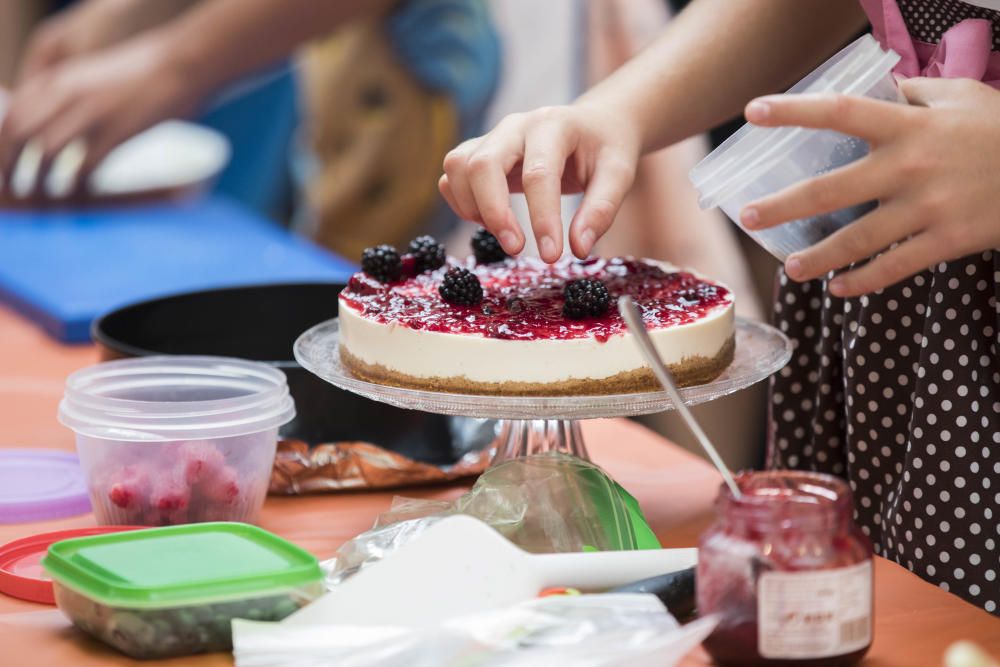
<point x="41" y="484"/>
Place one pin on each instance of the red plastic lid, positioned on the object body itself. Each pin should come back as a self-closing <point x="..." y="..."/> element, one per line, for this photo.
<point x="21" y="573"/>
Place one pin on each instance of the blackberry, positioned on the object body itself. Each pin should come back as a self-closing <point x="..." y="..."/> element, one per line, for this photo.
<point x="461" y="286"/>
<point x="428" y="253"/>
<point x="486" y="248"/>
<point x="585" y="298"/>
<point x="381" y="263"/>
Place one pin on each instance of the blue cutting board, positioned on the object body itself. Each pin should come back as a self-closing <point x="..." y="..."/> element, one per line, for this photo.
<point x="64" y="269"/>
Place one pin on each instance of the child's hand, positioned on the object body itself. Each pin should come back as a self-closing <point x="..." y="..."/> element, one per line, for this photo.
<point x="934" y="168"/>
<point x="545" y="153"/>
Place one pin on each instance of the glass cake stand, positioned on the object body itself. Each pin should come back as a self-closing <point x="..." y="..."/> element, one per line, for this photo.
<point x="537" y="424"/>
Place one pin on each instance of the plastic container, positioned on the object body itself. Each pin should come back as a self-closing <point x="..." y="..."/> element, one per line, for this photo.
<point x="758" y="161"/>
<point x="787" y="572"/>
<point x="174" y="591"/>
<point x="172" y="440"/>
<point x="277" y="315"/>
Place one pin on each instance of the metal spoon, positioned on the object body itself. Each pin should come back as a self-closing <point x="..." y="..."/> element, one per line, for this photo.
<point x="633" y="319"/>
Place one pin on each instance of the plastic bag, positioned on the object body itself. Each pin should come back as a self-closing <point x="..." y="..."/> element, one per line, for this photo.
<point x="546" y="503"/>
<point x="585" y="631"/>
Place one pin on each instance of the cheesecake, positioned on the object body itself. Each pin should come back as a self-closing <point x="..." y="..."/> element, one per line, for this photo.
<point x="520" y="327"/>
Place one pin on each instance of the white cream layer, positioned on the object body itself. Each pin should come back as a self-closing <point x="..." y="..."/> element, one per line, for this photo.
<point x="428" y="354"/>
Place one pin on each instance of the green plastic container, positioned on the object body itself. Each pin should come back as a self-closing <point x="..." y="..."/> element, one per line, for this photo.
<point x="173" y="591"/>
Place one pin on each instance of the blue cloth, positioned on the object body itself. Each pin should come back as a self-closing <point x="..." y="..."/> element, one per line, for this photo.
<point x="451" y="46"/>
<point x="64" y="268"/>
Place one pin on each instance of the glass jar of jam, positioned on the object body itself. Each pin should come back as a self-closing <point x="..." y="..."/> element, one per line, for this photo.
<point x="788" y="573"/>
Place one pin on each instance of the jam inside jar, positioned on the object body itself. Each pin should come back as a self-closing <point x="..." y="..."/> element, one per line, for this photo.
<point x="788" y="573"/>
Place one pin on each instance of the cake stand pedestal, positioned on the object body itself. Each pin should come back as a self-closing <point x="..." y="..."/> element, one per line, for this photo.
<point x="538" y="424"/>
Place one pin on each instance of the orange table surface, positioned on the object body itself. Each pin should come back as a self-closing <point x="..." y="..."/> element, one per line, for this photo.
<point x="914" y="621"/>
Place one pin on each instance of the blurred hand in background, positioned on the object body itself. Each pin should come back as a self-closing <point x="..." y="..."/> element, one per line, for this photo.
<point x="99" y="98"/>
<point x="101" y="72"/>
<point x="96" y="73"/>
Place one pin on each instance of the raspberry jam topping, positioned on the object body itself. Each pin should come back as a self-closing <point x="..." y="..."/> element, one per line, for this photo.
<point x="523" y="299"/>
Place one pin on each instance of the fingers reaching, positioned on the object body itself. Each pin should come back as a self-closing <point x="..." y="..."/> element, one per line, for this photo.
<point x="546" y="153"/>
<point x="547" y="148"/>
<point x="456" y="187"/>
<point x="490" y="166"/>
<point x="610" y="183"/>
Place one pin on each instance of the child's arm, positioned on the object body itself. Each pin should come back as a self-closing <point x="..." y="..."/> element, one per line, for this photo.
<point x="711" y="59"/>
<point x="226" y="39"/>
<point x="91" y="25"/>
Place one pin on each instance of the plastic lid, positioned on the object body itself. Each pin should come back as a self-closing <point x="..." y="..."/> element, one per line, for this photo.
<point x="854" y="70"/>
<point x="41" y="484"/>
<point x="176" y="398"/>
<point x="21" y="573"/>
<point x="180" y="565"/>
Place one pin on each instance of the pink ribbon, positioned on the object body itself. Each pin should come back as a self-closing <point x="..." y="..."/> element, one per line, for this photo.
<point x="964" y="52"/>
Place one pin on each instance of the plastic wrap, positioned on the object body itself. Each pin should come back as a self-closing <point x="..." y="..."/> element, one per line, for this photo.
<point x="585" y="631"/>
<point x="546" y="503"/>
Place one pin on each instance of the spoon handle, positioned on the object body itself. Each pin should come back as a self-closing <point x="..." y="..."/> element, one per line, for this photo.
<point x="633" y="319"/>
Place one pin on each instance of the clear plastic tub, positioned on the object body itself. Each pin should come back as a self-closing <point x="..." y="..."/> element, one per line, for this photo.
<point x="758" y="161"/>
<point x="173" y="440"/>
<point x="174" y="591"/>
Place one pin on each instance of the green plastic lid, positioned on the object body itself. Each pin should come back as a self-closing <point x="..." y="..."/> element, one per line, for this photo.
<point x="180" y="565"/>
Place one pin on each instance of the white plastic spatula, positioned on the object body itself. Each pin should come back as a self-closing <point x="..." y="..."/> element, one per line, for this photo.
<point x="460" y="566"/>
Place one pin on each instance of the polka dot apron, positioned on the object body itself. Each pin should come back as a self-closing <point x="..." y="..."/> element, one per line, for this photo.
<point x="899" y="391"/>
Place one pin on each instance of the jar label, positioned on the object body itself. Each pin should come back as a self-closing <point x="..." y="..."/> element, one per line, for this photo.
<point x="814" y="614"/>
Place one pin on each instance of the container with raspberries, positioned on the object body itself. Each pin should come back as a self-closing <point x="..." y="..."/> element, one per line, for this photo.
<point x="175" y="440"/>
<point x="174" y="591"/>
